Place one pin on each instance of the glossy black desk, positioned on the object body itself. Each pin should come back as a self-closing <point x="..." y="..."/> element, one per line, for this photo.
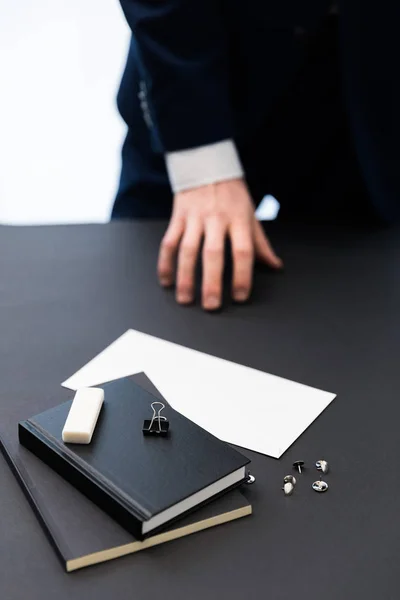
<point x="332" y="320"/>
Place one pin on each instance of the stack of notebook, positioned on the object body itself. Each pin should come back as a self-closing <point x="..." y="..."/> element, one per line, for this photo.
<point x="125" y="491"/>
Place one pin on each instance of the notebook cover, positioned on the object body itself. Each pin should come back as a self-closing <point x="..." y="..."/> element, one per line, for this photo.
<point x="83" y="535"/>
<point x="128" y="475"/>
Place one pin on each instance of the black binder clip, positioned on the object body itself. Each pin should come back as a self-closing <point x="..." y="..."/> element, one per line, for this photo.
<point x="157" y="425"/>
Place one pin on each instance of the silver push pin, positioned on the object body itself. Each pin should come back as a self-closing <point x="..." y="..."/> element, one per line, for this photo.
<point x="322" y="466"/>
<point x="288" y="484"/>
<point x="320" y="486"/>
<point x="250" y="478"/>
<point x="298" y="465"/>
<point x="157" y="425"/>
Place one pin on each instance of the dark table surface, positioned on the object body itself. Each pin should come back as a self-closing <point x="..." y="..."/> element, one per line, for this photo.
<point x="331" y="320"/>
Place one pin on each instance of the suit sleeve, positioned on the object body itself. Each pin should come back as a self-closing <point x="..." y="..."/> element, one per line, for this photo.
<point x="183" y="51"/>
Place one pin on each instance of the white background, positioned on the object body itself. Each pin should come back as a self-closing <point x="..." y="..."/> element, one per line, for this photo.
<point x="60" y="133"/>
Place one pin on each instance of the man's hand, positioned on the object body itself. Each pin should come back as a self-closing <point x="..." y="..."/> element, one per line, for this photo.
<point x="213" y="213"/>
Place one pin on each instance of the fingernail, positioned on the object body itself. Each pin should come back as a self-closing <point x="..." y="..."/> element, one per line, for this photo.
<point x="241" y="295"/>
<point x="279" y="262"/>
<point x="184" y="298"/>
<point x="165" y="281"/>
<point x="211" y="303"/>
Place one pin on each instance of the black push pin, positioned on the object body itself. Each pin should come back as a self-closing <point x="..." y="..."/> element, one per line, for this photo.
<point x="298" y="464"/>
<point x="157" y="425"/>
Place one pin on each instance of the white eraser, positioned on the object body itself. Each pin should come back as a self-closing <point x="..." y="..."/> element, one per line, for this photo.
<point x="83" y="415"/>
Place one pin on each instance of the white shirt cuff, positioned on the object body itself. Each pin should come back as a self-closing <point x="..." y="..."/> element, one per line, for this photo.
<point x="203" y="165"/>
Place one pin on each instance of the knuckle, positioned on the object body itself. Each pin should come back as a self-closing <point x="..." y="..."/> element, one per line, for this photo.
<point x="162" y="268"/>
<point x="164" y="271"/>
<point x="242" y="285"/>
<point x="212" y="251"/>
<point x="168" y="243"/>
<point x="242" y="277"/>
<point x="185" y="286"/>
<point x="219" y="214"/>
<point x="188" y="248"/>
<point x="212" y="289"/>
<point x="244" y="252"/>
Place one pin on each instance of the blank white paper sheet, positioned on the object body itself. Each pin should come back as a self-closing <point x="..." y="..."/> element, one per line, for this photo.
<point x="237" y="404"/>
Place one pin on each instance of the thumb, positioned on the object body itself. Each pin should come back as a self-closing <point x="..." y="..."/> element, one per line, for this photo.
<point x="263" y="248"/>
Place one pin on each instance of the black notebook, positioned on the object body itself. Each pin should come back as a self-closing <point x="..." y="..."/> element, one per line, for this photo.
<point x="144" y="483"/>
<point x="82" y="534"/>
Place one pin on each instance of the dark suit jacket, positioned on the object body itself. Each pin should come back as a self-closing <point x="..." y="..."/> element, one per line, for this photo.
<point x="207" y="70"/>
